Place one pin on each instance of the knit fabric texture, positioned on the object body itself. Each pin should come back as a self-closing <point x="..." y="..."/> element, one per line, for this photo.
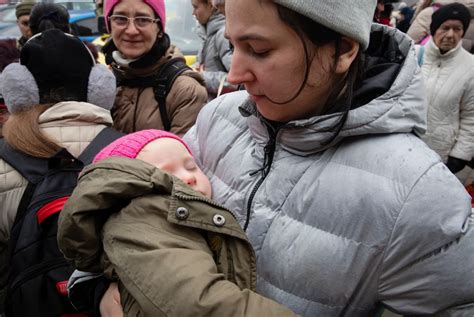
<point x="347" y="17"/>
<point x="158" y="7"/>
<point x="131" y="144"/>
<point x="24" y="8"/>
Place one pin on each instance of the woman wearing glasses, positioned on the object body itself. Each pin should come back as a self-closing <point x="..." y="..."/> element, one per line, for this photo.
<point x="138" y="51"/>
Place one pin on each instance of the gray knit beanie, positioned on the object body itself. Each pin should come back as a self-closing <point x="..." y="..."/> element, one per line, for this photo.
<point x="347" y="17"/>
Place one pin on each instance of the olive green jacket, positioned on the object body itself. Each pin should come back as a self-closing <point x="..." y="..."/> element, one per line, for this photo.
<point x="175" y="252"/>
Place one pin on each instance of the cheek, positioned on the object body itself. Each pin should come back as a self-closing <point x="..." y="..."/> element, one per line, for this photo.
<point x="115" y="35"/>
<point x="204" y="180"/>
<point x="151" y="37"/>
<point x="281" y="76"/>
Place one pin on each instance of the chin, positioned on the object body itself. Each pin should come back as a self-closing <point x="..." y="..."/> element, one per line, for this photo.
<point x="273" y="114"/>
<point x="131" y="54"/>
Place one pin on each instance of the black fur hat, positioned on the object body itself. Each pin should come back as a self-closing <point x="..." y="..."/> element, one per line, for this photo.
<point x="453" y="11"/>
<point x="60" y="65"/>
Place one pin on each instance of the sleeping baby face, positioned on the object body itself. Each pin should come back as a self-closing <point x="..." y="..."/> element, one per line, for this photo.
<point x="172" y="157"/>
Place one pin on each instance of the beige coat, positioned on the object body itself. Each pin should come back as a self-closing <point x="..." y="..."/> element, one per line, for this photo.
<point x="175" y="252"/>
<point x="73" y="125"/>
<point x="137" y="109"/>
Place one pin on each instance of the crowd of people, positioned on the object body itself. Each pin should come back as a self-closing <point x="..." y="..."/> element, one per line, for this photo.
<point x="312" y="162"/>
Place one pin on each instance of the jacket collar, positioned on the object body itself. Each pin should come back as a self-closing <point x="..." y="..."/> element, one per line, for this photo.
<point x="215" y="23"/>
<point x="433" y="51"/>
<point x="64" y="113"/>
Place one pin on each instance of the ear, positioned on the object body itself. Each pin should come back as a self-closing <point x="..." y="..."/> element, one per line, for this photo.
<point x="19" y="88"/>
<point x="102" y="87"/>
<point x="348" y="52"/>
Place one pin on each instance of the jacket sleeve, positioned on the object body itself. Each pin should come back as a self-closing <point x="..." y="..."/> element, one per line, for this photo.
<point x="428" y="265"/>
<point x="185" y="100"/>
<point x="170" y="271"/>
<point x="464" y="146"/>
<point x="420" y="27"/>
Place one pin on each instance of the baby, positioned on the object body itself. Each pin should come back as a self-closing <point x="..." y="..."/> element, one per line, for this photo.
<point x="142" y="214"/>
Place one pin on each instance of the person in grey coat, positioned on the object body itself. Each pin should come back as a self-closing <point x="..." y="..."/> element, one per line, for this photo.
<point x="214" y="58"/>
<point x="349" y="212"/>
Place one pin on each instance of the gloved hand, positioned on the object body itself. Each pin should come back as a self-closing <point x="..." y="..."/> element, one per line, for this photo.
<point x="455" y="165"/>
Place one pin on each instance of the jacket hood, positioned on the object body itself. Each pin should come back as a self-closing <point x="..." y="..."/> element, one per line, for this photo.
<point x="389" y="100"/>
<point x="215" y="23"/>
<point x="433" y="51"/>
<point x="75" y="111"/>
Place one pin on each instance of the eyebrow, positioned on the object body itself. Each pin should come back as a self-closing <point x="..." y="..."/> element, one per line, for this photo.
<point x="137" y="14"/>
<point x="248" y="37"/>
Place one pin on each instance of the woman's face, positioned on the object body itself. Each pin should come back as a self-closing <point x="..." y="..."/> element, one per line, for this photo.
<point x="269" y="60"/>
<point x="132" y="41"/>
<point x="202" y="10"/>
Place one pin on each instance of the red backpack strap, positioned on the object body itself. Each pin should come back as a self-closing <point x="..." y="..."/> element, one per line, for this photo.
<point x="51" y="208"/>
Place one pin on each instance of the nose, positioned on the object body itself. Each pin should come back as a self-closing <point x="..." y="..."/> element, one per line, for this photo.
<point x="239" y="72"/>
<point x="450" y="33"/>
<point x="131" y="28"/>
<point x="188" y="178"/>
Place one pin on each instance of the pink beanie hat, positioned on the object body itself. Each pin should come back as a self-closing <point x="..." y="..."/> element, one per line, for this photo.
<point x="131" y="144"/>
<point x="157" y="5"/>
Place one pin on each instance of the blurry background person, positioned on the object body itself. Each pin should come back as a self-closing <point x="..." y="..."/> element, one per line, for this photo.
<point x="378" y="10"/>
<point x="138" y="51"/>
<point x="448" y="70"/>
<point x="9" y="53"/>
<point x="405" y="17"/>
<point x="22" y="12"/>
<point x="215" y="56"/>
<point x="385" y="17"/>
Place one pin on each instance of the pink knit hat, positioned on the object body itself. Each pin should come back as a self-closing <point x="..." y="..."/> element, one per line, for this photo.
<point x="158" y="7"/>
<point x="131" y="144"/>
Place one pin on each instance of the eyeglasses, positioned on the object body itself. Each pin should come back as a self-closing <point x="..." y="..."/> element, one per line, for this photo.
<point x="140" y="22"/>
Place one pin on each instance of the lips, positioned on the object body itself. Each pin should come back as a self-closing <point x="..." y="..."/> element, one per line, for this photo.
<point x="132" y="42"/>
<point x="256" y="98"/>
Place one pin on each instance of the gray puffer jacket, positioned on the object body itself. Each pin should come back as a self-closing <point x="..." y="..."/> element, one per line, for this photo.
<point x="215" y="54"/>
<point x="372" y="219"/>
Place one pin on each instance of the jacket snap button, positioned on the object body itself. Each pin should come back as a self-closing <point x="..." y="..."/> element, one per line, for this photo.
<point x="218" y="220"/>
<point x="182" y="213"/>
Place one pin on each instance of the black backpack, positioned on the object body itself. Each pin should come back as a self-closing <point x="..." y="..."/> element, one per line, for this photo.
<point x="38" y="272"/>
<point x="162" y="83"/>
